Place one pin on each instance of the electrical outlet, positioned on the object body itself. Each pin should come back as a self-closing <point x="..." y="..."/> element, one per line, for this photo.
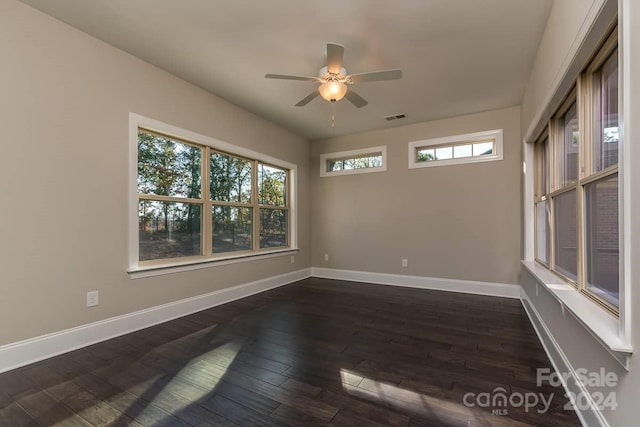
<point x="405" y="262"/>
<point x="326" y="257"/>
<point x="293" y="259"/>
<point x="92" y="298"/>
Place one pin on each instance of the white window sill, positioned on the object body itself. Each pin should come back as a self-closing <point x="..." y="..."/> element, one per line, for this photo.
<point x="139" y="272"/>
<point x="601" y="324"/>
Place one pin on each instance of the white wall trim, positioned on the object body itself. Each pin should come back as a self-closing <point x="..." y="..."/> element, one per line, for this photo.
<point x="591" y="417"/>
<point x="32" y="350"/>
<point x="433" y="283"/>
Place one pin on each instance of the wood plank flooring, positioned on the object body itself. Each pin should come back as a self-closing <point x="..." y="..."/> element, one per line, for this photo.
<point x="314" y="353"/>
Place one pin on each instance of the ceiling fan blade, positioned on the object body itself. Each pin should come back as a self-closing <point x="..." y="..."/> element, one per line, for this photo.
<point x="288" y="77"/>
<point x="355" y="99"/>
<point x="335" y="52"/>
<point x="313" y="95"/>
<point x="375" y="76"/>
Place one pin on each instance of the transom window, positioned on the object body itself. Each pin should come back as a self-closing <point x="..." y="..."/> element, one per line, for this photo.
<point x="355" y="161"/>
<point x="468" y="148"/>
<point x="196" y="202"/>
<point x="576" y="184"/>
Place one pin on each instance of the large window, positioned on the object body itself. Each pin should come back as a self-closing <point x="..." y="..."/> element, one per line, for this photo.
<point x="576" y="183"/>
<point x="197" y="202"/>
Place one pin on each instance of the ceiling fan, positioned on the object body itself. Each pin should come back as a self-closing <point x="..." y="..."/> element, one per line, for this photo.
<point x="334" y="80"/>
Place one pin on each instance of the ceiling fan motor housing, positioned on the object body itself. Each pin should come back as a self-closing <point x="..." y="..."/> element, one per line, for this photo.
<point x="327" y="76"/>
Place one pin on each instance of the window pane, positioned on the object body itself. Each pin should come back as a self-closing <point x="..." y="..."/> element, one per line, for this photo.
<point x="349" y="164"/>
<point x="569" y="147"/>
<point x="273" y="228"/>
<point x="167" y="167"/>
<point x="543" y="242"/>
<point x="483" y="148"/>
<point x="444" y="153"/>
<point x="365" y="162"/>
<point x="230" y="178"/>
<point x="602" y="238"/>
<point x="369" y="162"/>
<point x="334" y="165"/>
<point x="462" y="151"/>
<point x="542" y="168"/>
<point x="606" y="136"/>
<point x="565" y="231"/>
<point x="272" y="185"/>
<point x="232" y="229"/>
<point x="168" y="230"/>
<point x="426" y="155"/>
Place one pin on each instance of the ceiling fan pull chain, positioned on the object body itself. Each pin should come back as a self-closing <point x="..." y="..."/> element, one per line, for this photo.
<point x="333" y="114"/>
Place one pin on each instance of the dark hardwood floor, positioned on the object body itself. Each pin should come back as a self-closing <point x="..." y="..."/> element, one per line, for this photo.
<point x="317" y="352"/>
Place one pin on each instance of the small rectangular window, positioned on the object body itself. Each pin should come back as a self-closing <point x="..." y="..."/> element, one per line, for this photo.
<point x="355" y="161"/>
<point x="468" y="148"/>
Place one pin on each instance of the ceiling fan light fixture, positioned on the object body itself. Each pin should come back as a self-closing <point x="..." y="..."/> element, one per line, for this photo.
<point x="333" y="90"/>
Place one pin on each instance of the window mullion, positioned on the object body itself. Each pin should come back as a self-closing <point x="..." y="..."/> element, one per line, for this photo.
<point x="207" y="215"/>
<point x="170" y="199"/>
<point x="584" y="105"/>
<point x="255" y="206"/>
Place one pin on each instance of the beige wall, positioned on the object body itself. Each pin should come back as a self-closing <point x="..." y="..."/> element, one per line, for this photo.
<point x="568" y="23"/>
<point x="64" y="112"/>
<point x="458" y="222"/>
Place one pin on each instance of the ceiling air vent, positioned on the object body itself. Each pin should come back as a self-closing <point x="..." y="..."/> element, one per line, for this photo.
<point x="396" y="117"/>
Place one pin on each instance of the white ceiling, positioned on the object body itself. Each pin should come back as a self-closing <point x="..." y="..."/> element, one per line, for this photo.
<point x="457" y="56"/>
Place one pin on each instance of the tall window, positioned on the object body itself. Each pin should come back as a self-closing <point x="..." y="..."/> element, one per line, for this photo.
<point x="601" y="177"/>
<point x="576" y="183"/>
<point x="169" y="197"/>
<point x="190" y="209"/>
<point x="564" y="199"/>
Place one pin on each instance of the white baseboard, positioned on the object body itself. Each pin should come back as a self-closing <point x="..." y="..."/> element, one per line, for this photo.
<point x="434" y="283"/>
<point x="591" y="417"/>
<point x="39" y="348"/>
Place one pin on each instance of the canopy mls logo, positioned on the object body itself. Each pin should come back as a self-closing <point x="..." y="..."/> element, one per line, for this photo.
<point x="499" y="400"/>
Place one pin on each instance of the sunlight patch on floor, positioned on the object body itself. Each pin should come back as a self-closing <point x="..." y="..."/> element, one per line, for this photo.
<point x="406" y="400"/>
<point x="198" y="378"/>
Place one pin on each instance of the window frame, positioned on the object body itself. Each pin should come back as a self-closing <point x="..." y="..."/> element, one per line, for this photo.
<point x="456" y="140"/>
<point x="582" y="95"/>
<point x="208" y="145"/>
<point x="353" y="154"/>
